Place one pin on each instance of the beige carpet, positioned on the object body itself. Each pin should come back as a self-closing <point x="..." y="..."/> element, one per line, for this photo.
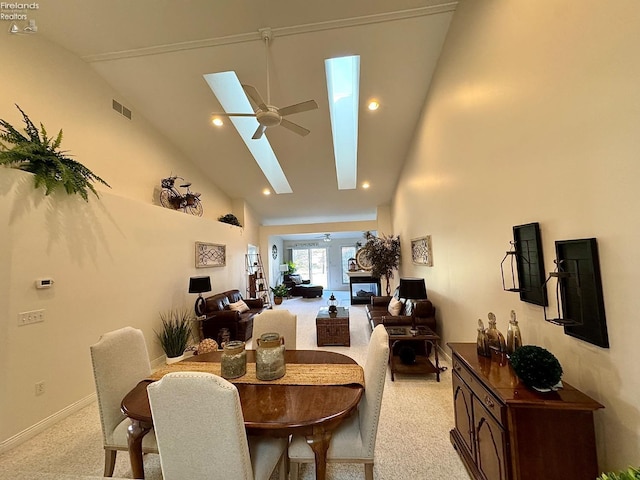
<point x="413" y="435"/>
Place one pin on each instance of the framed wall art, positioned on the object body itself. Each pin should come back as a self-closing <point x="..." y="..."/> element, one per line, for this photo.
<point x="421" y="253"/>
<point x="210" y="255"/>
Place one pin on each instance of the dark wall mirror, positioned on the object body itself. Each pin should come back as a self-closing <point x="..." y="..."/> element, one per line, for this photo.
<point x="582" y="296"/>
<point x="530" y="263"/>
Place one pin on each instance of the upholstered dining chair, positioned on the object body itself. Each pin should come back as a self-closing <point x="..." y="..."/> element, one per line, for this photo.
<point x="120" y="360"/>
<point x="200" y="430"/>
<point x="355" y="439"/>
<point x="281" y="321"/>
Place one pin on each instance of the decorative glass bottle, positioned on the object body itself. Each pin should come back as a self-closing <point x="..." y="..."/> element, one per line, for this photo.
<point x="514" y="337"/>
<point x="494" y="337"/>
<point x="483" y="344"/>
<point x="270" y="357"/>
<point x="234" y="360"/>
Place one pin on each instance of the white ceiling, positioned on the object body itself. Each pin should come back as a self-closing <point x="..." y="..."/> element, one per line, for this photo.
<point x="155" y="52"/>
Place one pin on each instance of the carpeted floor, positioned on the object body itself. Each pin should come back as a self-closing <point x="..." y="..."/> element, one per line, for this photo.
<point x="413" y="434"/>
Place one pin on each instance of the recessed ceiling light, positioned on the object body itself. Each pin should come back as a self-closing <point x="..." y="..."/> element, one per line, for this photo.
<point x="365" y="185"/>
<point x="217" y="122"/>
<point x="266" y="191"/>
<point x="373" y="105"/>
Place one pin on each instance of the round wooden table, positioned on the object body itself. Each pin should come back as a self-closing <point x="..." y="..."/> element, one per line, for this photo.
<point x="314" y="411"/>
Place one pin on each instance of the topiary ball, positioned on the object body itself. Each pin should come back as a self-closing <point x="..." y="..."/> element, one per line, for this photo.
<point x="207" y="345"/>
<point x="536" y="367"/>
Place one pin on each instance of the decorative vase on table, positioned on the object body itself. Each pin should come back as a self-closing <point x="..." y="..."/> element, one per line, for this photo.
<point x="494" y="337"/>
<point x="482" y="341"/>
<point x="171" y="360"/>
<point x="514" y="338"/>
<point x="270" y="357"/>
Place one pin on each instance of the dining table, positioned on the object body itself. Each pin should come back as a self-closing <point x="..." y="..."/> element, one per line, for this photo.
<point x="308" y="407"/>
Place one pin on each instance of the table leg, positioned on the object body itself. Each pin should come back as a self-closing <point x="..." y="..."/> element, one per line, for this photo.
<point x="319" y="443"/>
<point x="435" y="350"/>
<point x="391" y="359"/>
<point x="135" y="433"/>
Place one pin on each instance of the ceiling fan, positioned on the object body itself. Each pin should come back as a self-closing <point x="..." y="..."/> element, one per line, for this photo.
<point x="267" y="114"/>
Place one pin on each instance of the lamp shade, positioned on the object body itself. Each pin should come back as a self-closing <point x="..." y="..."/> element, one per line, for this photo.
<point x="412" y="288"/>
<point x="199" y="284"/>
<point x="284" y="267"/>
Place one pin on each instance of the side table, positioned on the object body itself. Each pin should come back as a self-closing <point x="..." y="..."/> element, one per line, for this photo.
<point x="422" y="363"/>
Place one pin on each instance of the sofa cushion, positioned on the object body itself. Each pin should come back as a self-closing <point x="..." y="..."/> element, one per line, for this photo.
<point x="395" y="307"/>
<point x="239" y="306"/>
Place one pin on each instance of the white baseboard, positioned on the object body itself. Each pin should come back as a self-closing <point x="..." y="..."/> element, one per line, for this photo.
<point x="45" y="423"/>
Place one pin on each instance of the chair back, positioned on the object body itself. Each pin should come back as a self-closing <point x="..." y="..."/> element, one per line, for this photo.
<point x="375" y="374"/>
<point x="281" y="321"/>
<point x="120" y="360"/>
<point x="199" y="427"/>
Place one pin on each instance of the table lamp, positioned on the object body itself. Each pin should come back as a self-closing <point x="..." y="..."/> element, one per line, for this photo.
<point x="412" y="289"/>
<point x="199" y="285"/>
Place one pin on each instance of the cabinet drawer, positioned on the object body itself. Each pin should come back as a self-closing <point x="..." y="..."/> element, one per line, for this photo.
<point x="487" y="398"/>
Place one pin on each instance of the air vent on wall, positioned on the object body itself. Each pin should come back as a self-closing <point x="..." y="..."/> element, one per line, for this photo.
<point x="121" y="109"/>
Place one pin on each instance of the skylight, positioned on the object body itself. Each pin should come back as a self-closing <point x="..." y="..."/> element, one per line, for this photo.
<point x="227" y="89"/>
<point x="343" y="83"/>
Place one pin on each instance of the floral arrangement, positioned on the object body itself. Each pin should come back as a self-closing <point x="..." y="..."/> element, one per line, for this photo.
<point x="536" y="367"/>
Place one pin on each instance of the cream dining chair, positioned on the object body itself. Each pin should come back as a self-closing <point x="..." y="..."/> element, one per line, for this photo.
<point x="200" y="429"/>
<point x="355" y="439"/>
<point x="281" y="321"/>
<point x="120" y="360"/>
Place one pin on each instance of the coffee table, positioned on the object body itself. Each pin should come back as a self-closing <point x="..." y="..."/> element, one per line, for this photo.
<point x="333" y="328"/>
<point x="422" y="363"/>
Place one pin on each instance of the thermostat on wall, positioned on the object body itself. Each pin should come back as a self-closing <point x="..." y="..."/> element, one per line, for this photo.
<point x="44" y="282"/>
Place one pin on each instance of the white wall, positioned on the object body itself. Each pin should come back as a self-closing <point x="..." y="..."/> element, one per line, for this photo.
<point x="118" y="260"/>
<point x="533" y="117"/>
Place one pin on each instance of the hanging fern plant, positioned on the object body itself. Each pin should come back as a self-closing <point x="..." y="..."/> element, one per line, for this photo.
<point x="40" y="155"/>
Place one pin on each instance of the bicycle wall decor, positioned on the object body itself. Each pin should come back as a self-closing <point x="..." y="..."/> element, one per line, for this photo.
<point x="170" y="197"/>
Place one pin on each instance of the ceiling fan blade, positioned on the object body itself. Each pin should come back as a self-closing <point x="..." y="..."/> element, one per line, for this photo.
<point x="259" y="132"/>
<point x="224" y="114"/>
<point x="253" y="94"/>
<point x="294" y="127"/>
<point x="298" y="107"/>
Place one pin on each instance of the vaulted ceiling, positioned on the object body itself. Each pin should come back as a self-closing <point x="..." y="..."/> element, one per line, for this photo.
<point x="155" y="53"/>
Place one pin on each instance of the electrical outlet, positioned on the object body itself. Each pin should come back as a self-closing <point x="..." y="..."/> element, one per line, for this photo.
<point x="27" y="318"/>
<point x="39" y="388"/>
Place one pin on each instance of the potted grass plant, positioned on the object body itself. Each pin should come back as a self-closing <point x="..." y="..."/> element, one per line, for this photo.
<point x="630" y="474"/>
<point x="175" y="333"/>
<point x="279" y="292"/>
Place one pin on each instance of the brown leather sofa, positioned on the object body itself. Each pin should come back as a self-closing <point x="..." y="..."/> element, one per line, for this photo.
<point x="301" y="288"/>
<point x="378" y="312"/>
<point x="219" y="316"/>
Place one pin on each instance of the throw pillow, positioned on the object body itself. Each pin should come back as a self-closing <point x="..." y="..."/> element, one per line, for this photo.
<point x="395" y="307"/>
<point x="239" y="306"/>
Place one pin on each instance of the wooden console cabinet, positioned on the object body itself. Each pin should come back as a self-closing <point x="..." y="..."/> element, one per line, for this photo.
<point x="506" y="431"/>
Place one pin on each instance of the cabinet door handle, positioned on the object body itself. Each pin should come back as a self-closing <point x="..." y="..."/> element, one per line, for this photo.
<point x="488" y="402"/>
